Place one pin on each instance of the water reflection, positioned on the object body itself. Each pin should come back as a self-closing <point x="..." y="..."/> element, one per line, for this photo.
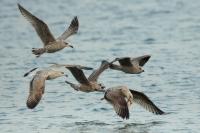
<point x="137" y="127"/>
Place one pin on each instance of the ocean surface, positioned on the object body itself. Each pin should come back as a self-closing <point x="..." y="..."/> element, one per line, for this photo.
<point x="168" y="30"/>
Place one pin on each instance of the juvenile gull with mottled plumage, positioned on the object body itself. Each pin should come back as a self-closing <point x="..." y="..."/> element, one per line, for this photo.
<point x="122" y="98"/>
<point x="37" y="84"/>
<point x="89" y="84"/>
<point x="130" y="65"/>
<point x="51" y="44"/>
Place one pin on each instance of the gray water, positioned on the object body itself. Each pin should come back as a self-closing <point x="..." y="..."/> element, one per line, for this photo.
<point x="168" y="30"/>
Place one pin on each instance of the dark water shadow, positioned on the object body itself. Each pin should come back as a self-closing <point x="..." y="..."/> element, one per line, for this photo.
<point x="87" y="126"/>
<point x="137" y="127"/>
<point x="91" y="123"/>
<point x="101" y="127"/>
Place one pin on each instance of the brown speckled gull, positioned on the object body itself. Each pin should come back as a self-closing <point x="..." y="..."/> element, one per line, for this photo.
<point x="131" y="65"/>
<point x="88" y="84"/>
<point x="51" y="44"/>
<point x="122" y="98"/>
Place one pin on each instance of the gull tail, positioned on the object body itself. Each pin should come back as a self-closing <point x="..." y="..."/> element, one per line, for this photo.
<point x="33" y="101"/>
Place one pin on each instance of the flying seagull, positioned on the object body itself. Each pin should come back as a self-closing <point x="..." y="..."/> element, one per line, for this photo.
<point x="88" y="84"/>
<point x="51" y="44"/>
<point x="121" y="98"/>
<point x="131" y="65"/>
<point x="37" y="85"/>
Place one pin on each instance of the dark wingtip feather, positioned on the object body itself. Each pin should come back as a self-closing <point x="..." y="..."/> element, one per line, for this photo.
<point x="159" y="112"/>
<point x="75" y="23"/>
<point x="18" y="4"/>
<point x="124" y="113"/>
<point x="33" y="101"/>
<point x="87" y="68"/>
<point x="20" y="7"/>
<point x="31" y="104"/>
<point x="148" y="57"/>
<point x="26" y="74"/>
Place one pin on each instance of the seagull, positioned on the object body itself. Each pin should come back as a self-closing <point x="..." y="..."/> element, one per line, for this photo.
<point x="131" y="65"/>
<point x="89" y="84"/>
<point x="37" y="85"/>
<point x="51" y="44"/>
<point x="122" y="98"/>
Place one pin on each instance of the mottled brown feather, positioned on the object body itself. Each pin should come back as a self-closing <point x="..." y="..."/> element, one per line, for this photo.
<point x="95" y="74"/>
<point x="119" y="103"/>
<point x="37" y="86"/>
<point x="40" y="27"/>
<point x="125" y="61"/>
<point x="142" y="60"/>
<point x="78" y="74"/>
<point x="141" y="99"/>
<point x="72" y="29"/>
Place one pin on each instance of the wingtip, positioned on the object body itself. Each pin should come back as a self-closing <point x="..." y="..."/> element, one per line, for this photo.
<point x="71" y="46"/>
<point x="19" y="6"/>
<point x="125" y="116"/>
<point x="160" y="112"/>
<point x="25" y="74"/>
<point x="148" y="56"/>
<point x="31" y="104"/>
<point x="88" y="68"/>
<point x="76" y="23"/>
<point x="67" y="82"/>
<point x="75" y="20"/>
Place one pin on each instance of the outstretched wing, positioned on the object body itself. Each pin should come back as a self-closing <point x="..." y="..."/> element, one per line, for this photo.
<point x="55" y="65"/>
<point x="119" y="103"/>
<point x="78" y="74"/>
<point x="142" y="59"/>
<point x="40" y="27"/>
<point x="37" y="86"/>
<point x="72" y="29"/>
<point x="124" y="61"/>
<point x="141" y="99"/>
<point x="95" y="74"/>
